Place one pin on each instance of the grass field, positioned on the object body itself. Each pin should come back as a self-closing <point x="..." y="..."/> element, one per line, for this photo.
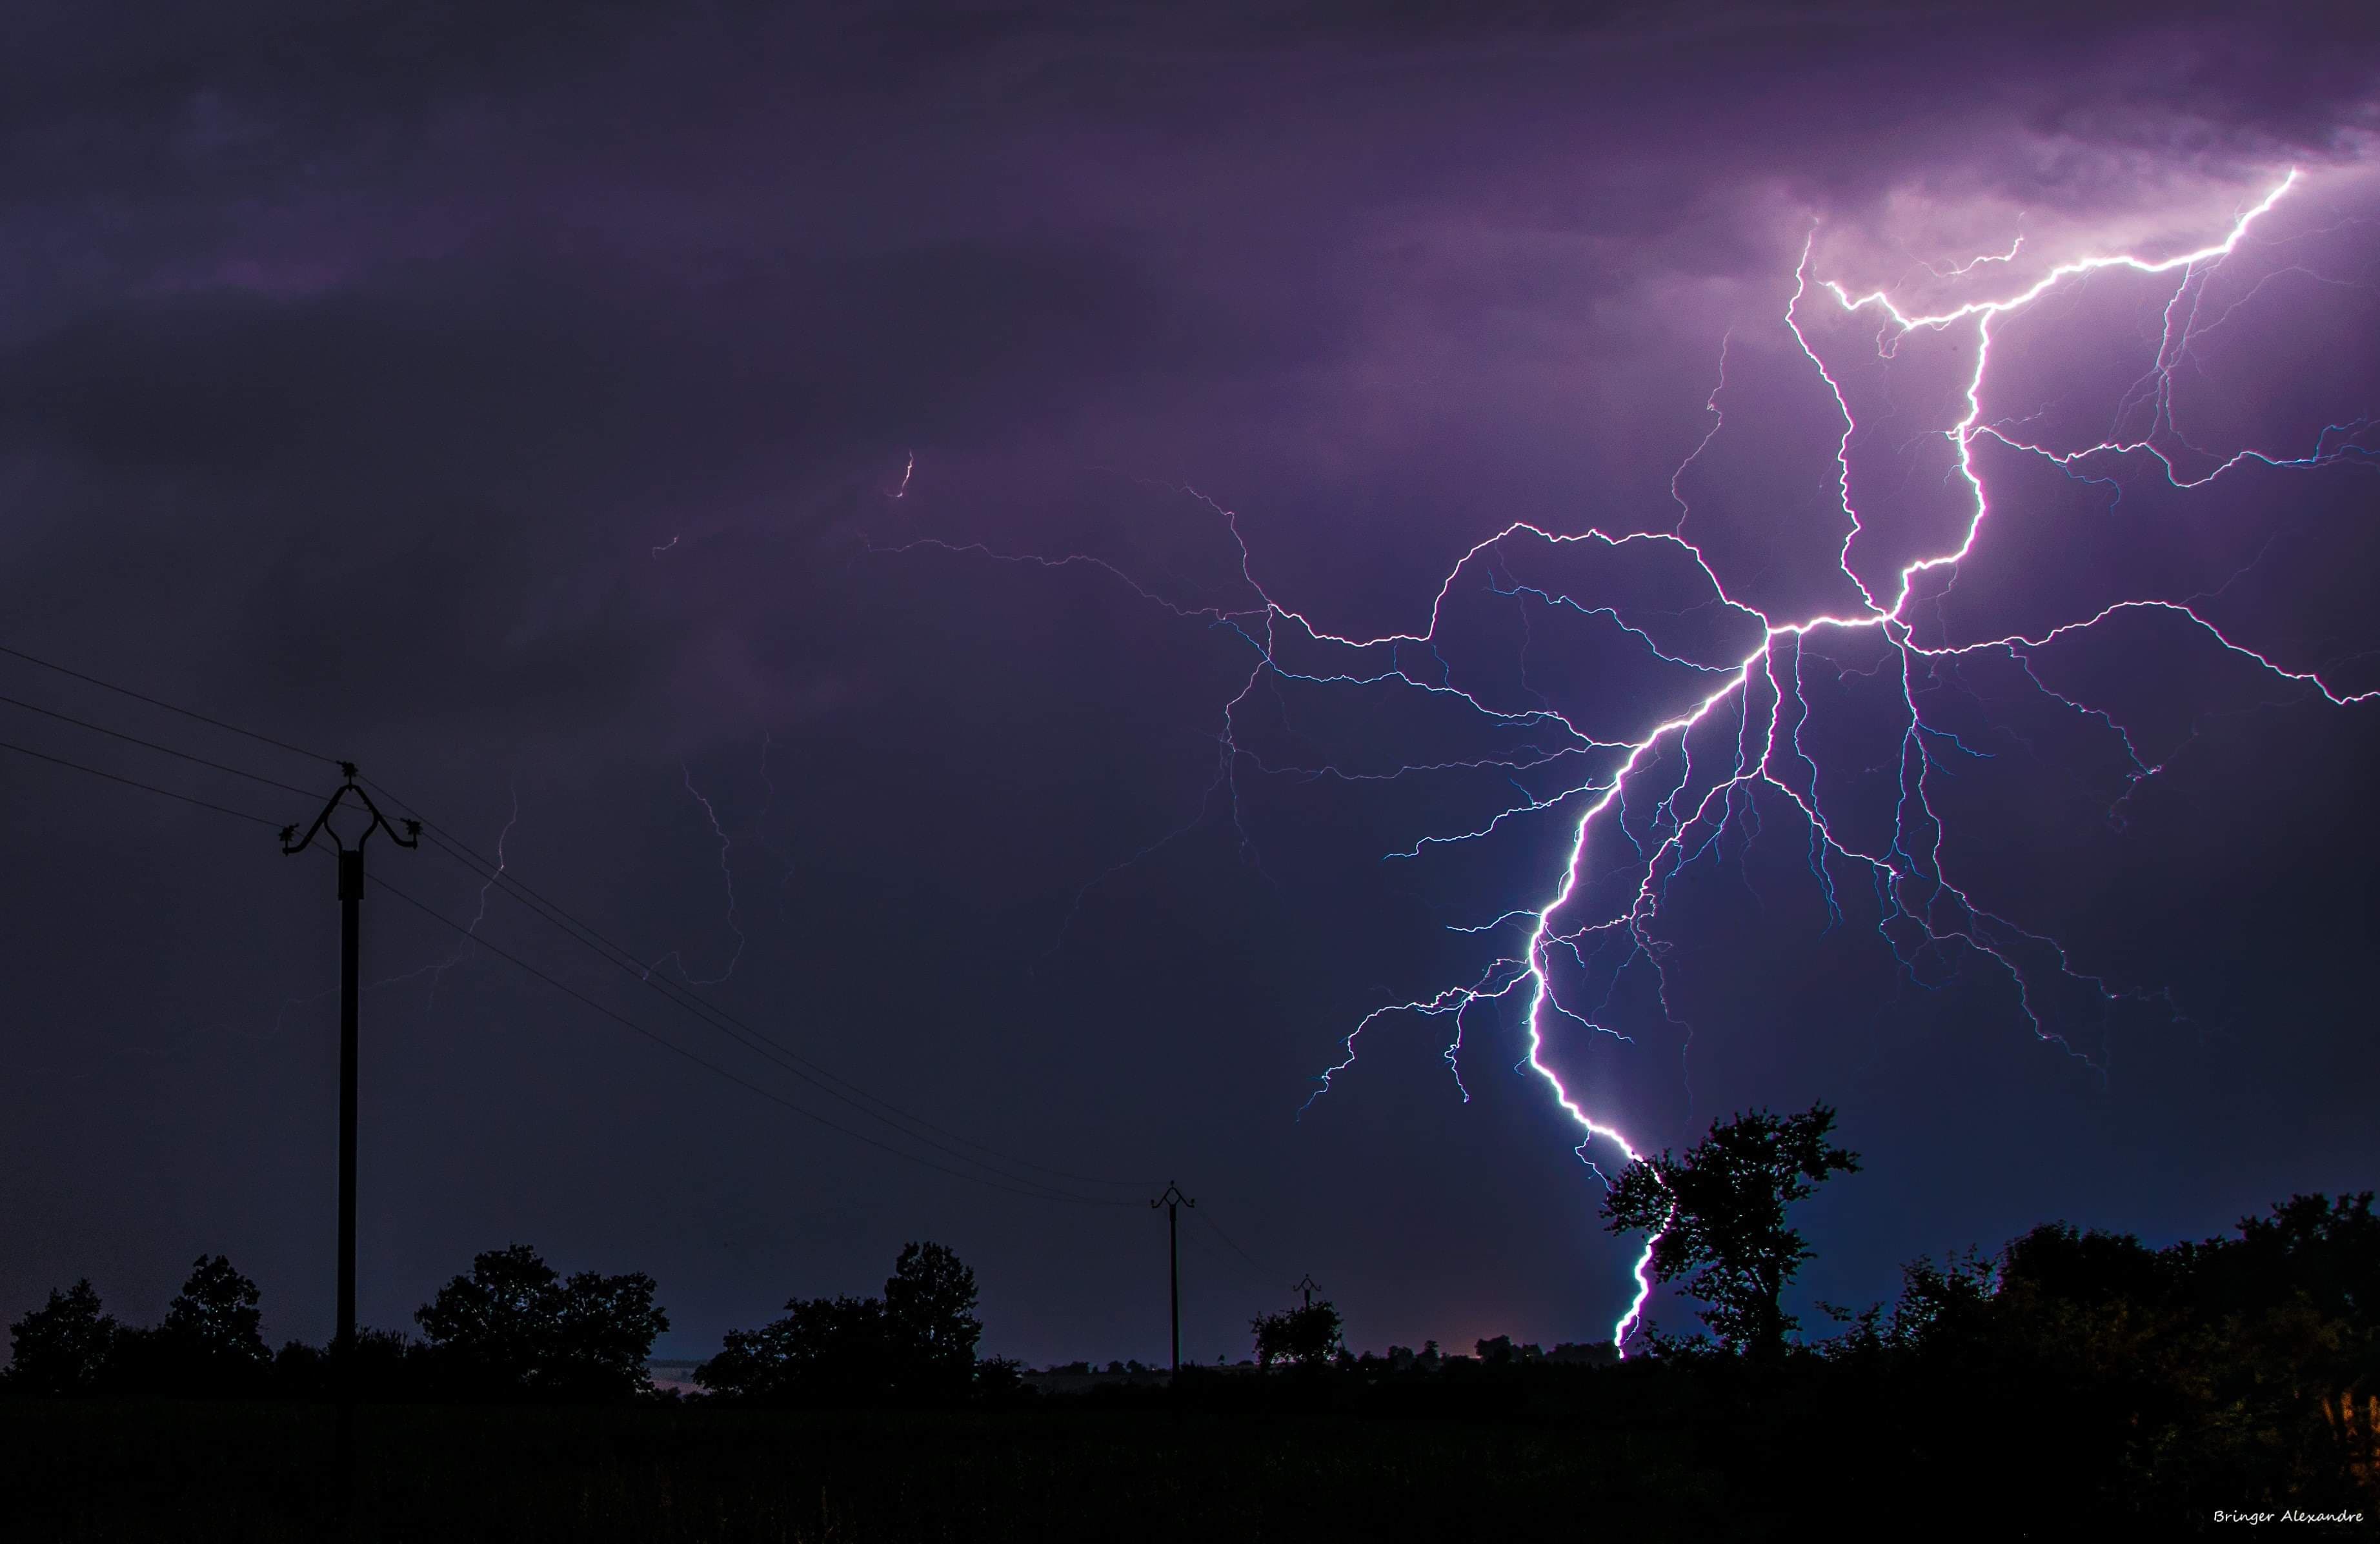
<point x="140" y="1471"/>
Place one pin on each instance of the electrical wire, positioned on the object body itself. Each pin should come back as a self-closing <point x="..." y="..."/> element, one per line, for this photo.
<point x="136" y="782"/>
<point x="152" y="744"/>
<point x="785" y="1057"/>
<point x="735" y="1028"/>
<point x="671" y="1046"/>
<point x="169" y="707"/>
<point x="1218" y="1227"/>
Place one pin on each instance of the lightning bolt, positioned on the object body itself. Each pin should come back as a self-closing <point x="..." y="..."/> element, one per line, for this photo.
<point x="1961" y="270"/>
<point x="436" y="969"/>
<point x="727" y="874"/>
<point x="1670" y="792"/>
<point x="480" y="915"/>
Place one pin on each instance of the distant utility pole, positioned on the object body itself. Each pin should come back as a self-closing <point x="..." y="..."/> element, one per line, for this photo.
<point x="1308" y="1285"/>
<point x="1172" y="1201"/>
<point x="351" y="892"/>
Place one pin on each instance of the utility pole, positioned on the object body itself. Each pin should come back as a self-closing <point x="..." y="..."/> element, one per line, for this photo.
<point x="351" y="892"/>
<point x="1307" y="1286"/>
<point x="1172" y="1201"/>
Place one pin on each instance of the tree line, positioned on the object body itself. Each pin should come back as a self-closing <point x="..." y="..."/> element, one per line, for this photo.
<point x="914" y="1345"/>
<point x="512" y="1328"/>
<point x="2221" y="1369"/>
<point x="515" y="1329"/>
<point x="2229" y="1368"/>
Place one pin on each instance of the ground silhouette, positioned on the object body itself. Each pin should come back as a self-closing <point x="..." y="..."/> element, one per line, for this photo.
<point x="2073" y="1374"/>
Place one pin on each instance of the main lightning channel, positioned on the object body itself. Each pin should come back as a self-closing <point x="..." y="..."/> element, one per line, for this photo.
<point x="1921" y="909"/>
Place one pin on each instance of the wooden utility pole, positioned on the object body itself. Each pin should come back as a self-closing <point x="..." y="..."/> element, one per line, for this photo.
<point x="351" y="894"/>
<point x="1172" y="1201"/>
<point x="1309" y="1286"/>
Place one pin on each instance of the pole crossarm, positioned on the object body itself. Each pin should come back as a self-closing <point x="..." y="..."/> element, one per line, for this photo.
<point x="292" y="844"/>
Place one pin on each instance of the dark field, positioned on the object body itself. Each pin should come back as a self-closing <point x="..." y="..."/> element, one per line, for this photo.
<point x="102" y="1470"/>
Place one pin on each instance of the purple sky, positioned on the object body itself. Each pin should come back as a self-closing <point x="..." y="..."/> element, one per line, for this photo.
<point x="512" y="398"/>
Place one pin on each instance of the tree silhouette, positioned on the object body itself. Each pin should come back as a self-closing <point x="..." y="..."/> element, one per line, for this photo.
<point x="2214" y="1373"/>
<point x="212" y="1323"/>
<point x="515" y="1326"/>
<point x="208" y="1345"/>
<point x="930" y="1328"/>
<point x="1719" y="1212"/>
<point x="826" y="1351"/>
<point x="2299" y="1291"/>
<point x="1305" y="1336"/>
<point x="918" y="1342"/>
<point x="61" y="1347"/>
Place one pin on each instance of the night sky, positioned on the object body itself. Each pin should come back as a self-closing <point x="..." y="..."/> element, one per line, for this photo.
<point x="809" y="484"/>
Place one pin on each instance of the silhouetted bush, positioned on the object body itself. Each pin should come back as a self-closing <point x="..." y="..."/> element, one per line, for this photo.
<point x="390" y="1368"/>
<point x="915" y="1344"/>
<point x="1305" y="1336"/>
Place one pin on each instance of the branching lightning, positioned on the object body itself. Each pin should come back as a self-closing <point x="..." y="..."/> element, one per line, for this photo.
<point x="479" y="913"/>
<point x="727" y="875"/>
<point x="1649" y="802"/>
<point x="436" y="969"/>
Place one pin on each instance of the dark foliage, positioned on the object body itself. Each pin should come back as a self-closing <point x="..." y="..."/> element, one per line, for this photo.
<point x="2080" y="1376"/>
<point x="63" y="1346"/>
<point x="1719" y="1212"/>
<point x="2235" y="1373"/>
<point x="210" y="1344"/>
<point x="514" y="1327"/>
<point x="825" y="1351"/>
<point x="1305" y="1336"/>
<point x="388" y="1367"/>
<point x="914" y="1345"/>
<point x="929" y="1324"/>
<point x="215" y="1316"/>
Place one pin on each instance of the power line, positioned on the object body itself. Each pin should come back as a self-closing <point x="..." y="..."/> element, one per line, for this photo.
<point x="171" y="708"/>
<point x="737" y="1028"/>
<point x="785" y="1056"/>
<point x="1227" y="1239"/>
<point x="671" y="1046"/>
<point x="1041" y="1193"/>
<point x="152" y="744"/>
<point x="1226" y="1271"/>
<point x="136" y="782"/>
<point x="752" y="1038"/>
